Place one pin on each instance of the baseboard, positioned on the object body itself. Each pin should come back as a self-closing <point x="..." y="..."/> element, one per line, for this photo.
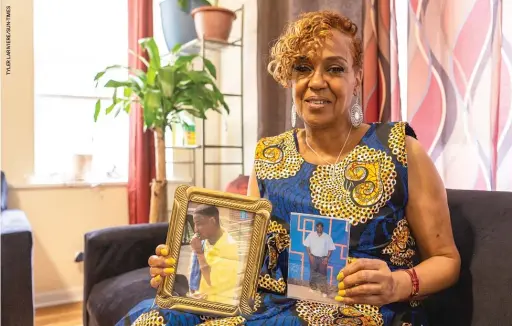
<point x="55" y="298"/>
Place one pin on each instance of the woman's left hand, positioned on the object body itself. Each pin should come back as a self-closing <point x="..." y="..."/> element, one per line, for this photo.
<point x="370" y="281"/>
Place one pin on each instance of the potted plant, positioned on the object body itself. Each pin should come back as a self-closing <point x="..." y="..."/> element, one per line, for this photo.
<point x="177" y="22"/>
<point x="165" y="93"/>
<point x="212" y="22"/>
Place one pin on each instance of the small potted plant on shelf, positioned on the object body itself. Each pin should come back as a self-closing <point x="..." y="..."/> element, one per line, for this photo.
<point x="164" y="93"/>
<point x="177" y="21"/>
<point x="211" y="21"/>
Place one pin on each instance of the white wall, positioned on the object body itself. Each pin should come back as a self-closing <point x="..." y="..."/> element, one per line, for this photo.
<point x="60" y="215"/>
<point x="230" y="81"/>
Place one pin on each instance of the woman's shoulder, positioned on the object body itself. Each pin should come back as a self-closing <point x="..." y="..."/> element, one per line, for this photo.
<point x="396" y="128"/>
<point x="275" y="147"/>
<point x="394" y="136"/>
<point x="281" y="138"/>
<point x="277" y="156"/>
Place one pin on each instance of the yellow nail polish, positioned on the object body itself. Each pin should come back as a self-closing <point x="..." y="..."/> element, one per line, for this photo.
<point x="164" y="252"/>
<point x="168" y="270"/>
<point x="170" y="261"/>
<point x="337" y="298"/>
<point x="341" y="285"/>
<point x="157" y="278"/>
<point x="342" y="293"/>
<point x="340" y="276"/>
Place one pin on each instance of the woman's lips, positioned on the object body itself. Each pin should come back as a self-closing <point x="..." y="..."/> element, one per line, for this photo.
<point x="317" y="104"/>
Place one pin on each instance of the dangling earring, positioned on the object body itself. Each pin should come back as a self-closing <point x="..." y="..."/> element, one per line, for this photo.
<point x="294" y="115"/>
<point x="356" y="114"/>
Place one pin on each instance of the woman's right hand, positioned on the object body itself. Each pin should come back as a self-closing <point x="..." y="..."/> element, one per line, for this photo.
<point x="160" y="265"/>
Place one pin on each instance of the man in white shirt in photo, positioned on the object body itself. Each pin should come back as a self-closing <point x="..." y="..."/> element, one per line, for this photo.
<point x="319" y="246"/>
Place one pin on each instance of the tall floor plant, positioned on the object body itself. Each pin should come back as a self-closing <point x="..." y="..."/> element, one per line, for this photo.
<point x="166" y="93"/>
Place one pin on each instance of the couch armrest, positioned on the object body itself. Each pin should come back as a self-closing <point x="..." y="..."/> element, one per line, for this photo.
<point x="17" y="299"/>
<point x="14" y="221"/>
<point x="117" y="250"/>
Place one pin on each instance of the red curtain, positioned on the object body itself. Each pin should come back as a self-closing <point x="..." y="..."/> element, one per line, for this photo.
<point x="141" y="168"/>
<point x="381" y="97"/>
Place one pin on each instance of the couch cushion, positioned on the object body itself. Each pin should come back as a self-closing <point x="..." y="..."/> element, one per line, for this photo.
<point x="481" y="222"/>
<point x="112" y="298"/>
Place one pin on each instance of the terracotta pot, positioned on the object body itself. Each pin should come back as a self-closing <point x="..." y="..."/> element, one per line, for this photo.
<point x="213" y="23"/>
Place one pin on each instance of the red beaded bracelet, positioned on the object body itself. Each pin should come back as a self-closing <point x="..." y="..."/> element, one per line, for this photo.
<point x="415" y="282"/>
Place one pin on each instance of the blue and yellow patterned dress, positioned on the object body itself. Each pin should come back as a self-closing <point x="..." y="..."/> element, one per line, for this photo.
<point x="371" y="192"/>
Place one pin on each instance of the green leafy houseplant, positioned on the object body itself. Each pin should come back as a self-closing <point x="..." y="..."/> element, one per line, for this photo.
<point x="165" y="93"/>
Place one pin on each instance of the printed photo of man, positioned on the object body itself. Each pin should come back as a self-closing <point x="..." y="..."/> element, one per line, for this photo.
<point x="319" y="246"/>
<point x="215" y="268"/>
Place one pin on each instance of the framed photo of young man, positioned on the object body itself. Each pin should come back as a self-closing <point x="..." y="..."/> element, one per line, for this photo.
<point x="217" y="239"/>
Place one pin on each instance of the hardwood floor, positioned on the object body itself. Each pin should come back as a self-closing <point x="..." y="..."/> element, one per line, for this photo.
<point x="64" y="315"/>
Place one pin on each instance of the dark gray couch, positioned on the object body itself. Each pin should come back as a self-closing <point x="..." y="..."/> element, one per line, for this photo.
<point x="17" y="308"/>
<point x="117" y="277"/>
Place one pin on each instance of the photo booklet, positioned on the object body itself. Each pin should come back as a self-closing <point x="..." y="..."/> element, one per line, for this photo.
<point x="319" y="248"/>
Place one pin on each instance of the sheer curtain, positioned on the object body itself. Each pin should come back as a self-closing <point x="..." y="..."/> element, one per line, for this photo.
<point x="459" y="89"/>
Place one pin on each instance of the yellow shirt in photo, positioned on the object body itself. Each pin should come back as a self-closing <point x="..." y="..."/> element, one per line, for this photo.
<point x="224" y="262"/>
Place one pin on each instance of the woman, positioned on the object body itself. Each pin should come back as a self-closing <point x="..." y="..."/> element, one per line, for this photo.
<point x="375" y="175"/>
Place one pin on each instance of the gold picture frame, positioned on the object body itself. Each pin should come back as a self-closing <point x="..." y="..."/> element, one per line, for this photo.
<point x="258" y="208"/>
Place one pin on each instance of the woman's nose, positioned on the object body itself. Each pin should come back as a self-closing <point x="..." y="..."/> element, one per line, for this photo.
<point x="317" y="80"/>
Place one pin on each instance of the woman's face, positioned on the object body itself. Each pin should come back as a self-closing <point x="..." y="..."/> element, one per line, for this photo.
<point x="324" y="86"/>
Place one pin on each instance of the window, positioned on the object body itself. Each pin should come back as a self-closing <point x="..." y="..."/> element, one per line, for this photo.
<point x="73" y="40"/>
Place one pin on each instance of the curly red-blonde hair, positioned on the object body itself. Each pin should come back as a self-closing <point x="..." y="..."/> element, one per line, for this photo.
<point x="304" y="36"/>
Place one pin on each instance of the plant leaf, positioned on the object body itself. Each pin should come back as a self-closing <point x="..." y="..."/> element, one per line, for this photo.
<point x="149" y="45"/>
<point x="127" y="92"/>
<point x="176" y="48"/>
<point x="115" y="84"/>
<point x="184" y="60"/>
<point x="138" y="56"/>
<point x="183" y="5"/>
<point x="151" y="106"/>
<point x="166" y="80"/>
<point x="210" y="67"/>
<point x="101" y="73"/>
<point x="110" y="108"/>
<point x="137" y="72"/>
<point x="97" y="110"/>
<point x="115" y="100"/>
<point x="127" y="106"/>
<point x="119" y="107"/>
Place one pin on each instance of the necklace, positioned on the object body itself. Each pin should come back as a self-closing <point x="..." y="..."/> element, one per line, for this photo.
<point x="332" y="166"/>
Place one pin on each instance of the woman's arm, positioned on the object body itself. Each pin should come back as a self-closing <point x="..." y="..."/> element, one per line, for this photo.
<point x="429" y="220"/>
<point x="252" y="188"/>
<point x="370" y="281"/>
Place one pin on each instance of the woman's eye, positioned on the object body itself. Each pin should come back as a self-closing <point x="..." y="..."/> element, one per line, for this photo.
<point x="337" y="70"/>
<point x="301" y="68"/>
